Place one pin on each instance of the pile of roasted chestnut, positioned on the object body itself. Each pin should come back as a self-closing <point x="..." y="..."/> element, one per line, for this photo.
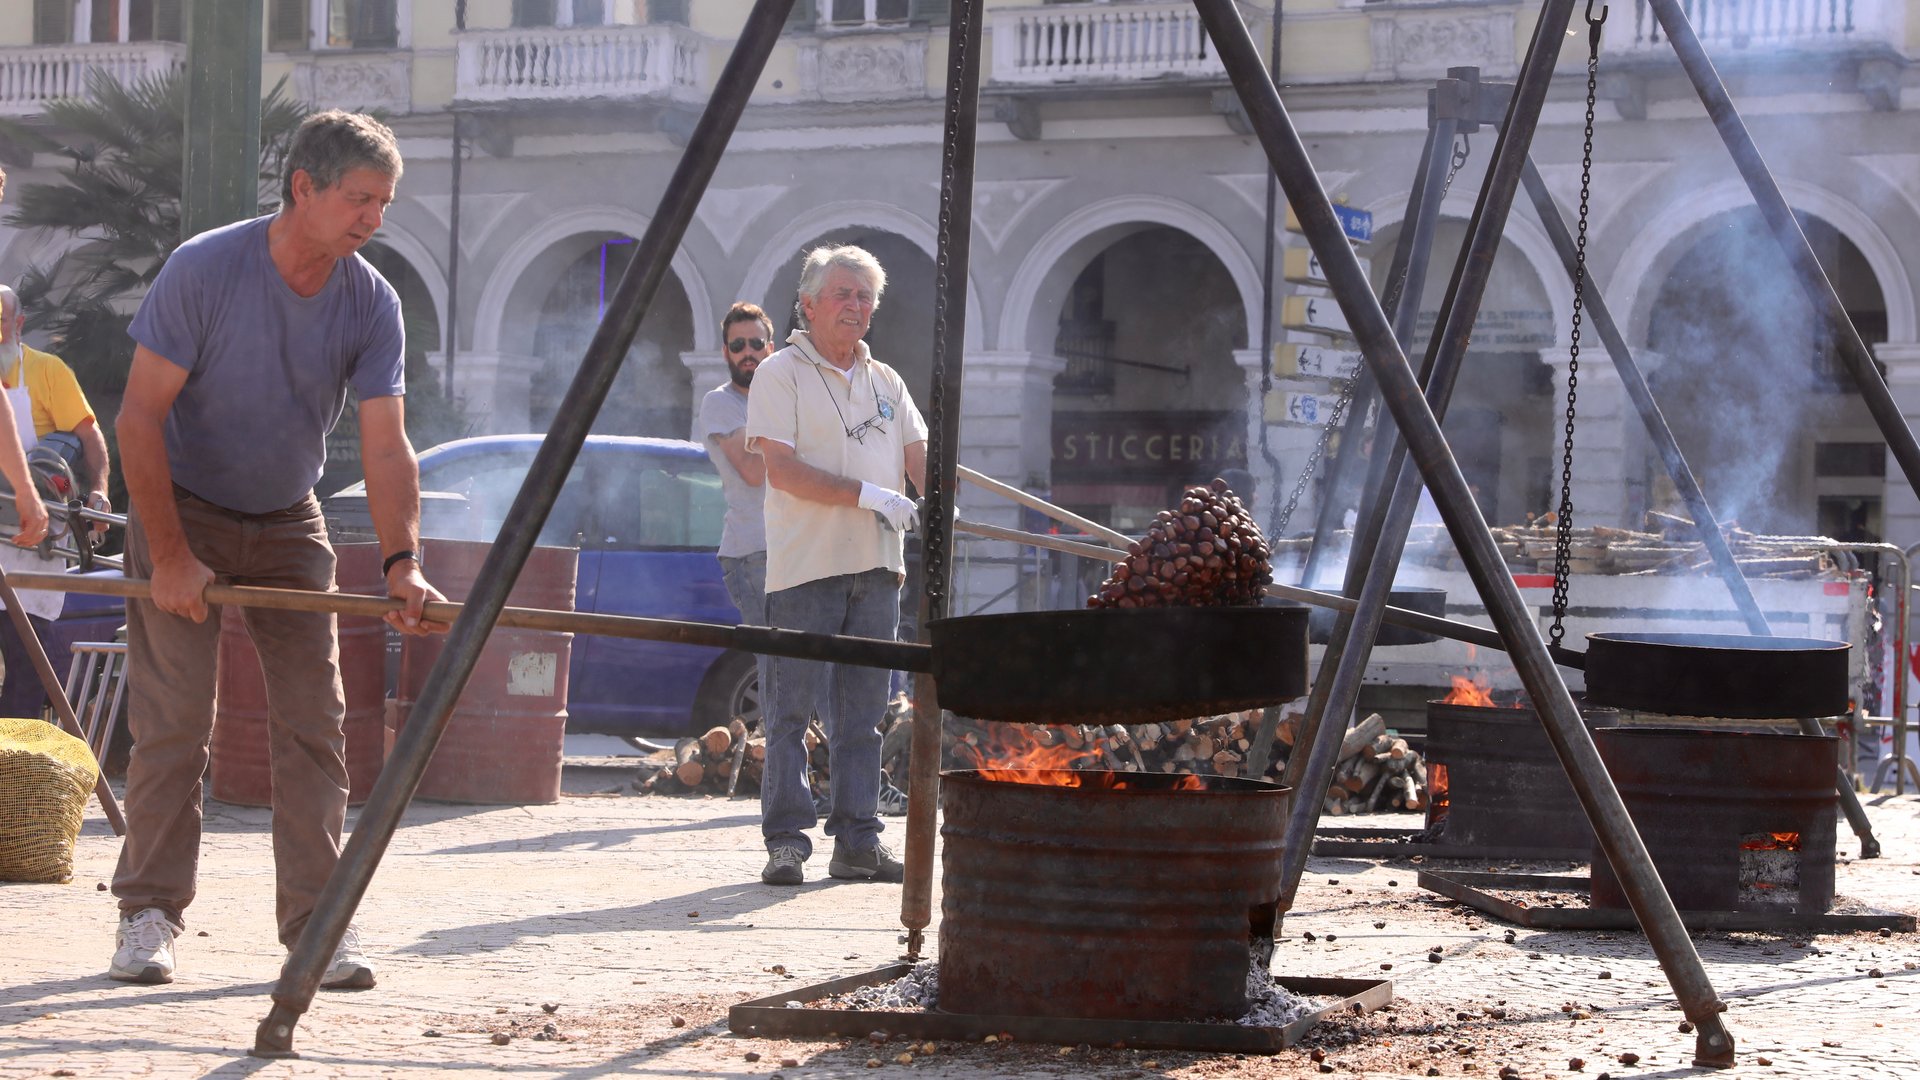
<point x="1208" y="553"/>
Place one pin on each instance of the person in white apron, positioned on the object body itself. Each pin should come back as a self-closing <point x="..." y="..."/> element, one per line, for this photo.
<point x="22" y="693"/>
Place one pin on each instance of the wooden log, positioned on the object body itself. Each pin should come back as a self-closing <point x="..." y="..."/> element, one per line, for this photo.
<point x="717" y="741"/>
<point x="1361" y="735"/>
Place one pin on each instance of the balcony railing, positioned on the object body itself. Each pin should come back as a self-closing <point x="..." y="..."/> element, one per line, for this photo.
<point x="1118" y="42"/>
<point x="32" y="75"/>
<point x="1758" y="25"/>
<point x="568" y="63"/>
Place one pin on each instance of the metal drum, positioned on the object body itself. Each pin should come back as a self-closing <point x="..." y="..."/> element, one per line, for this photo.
<point x="1128" y="903"/>
<point x="1503" y="787"/>
<point x="506" y="738"/>
<point x="1735" y="821"/>
<point x="242" y="764"/>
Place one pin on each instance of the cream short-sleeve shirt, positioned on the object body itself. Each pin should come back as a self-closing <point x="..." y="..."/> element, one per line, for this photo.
<point x="802" y="400"/>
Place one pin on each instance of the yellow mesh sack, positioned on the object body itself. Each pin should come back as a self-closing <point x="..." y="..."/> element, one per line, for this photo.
<point x="45" y="778"/>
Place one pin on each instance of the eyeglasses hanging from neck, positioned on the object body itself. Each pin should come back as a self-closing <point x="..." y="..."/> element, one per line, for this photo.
<point x="869" y="426"/>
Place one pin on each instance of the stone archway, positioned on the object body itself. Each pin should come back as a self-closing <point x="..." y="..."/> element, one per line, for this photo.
<point x="1769" y="421"/>
<point x="496" y="377"/>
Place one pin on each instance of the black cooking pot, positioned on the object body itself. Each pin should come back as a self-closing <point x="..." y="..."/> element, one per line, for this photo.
<point x="1119" y="665"/>
<point x="1735" y="676"/>
<point x="1418" y="598"/>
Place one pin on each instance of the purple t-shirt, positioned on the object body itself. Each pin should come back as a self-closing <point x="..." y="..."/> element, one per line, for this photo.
<point x="267" y="368"/>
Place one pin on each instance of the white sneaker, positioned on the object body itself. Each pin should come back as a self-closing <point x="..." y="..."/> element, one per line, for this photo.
<point x="143" y="949"/>
<point x="350" y="969"/>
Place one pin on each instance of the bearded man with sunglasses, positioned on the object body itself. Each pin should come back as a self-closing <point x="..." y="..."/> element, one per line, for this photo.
<point x="746" y="339"/>
<point x="840" y="438"/>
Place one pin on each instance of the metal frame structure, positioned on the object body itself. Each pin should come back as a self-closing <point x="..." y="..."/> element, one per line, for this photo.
<point x="1401" y="392"/>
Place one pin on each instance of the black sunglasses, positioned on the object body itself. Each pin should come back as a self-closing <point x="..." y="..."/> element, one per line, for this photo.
<point x="741" y="344"/>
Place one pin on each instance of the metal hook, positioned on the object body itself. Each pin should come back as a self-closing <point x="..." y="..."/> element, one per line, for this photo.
<point x="1593" y="31"/>
<point x="1591" y="21"/>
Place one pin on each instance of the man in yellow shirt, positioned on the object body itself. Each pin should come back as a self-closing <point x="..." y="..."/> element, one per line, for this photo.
<point x="46" y="398"/>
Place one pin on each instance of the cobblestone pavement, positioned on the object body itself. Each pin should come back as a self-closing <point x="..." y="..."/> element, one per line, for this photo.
<point x="639" y="920"/>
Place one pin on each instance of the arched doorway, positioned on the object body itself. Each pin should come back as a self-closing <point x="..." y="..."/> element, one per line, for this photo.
<point x="1500" y="419"/>
<point x="652" y="395"/>
<point x="1151" y="399"/>
<point x="1765" y="414"/>
<point x="902" y="331"/>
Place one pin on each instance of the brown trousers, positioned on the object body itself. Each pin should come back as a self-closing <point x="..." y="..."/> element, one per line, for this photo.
<point x="171" y="675"/>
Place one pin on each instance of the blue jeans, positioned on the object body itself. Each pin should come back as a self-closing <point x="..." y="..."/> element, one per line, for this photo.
<point x="866" y="604"/>
<point x="746" y="581"/>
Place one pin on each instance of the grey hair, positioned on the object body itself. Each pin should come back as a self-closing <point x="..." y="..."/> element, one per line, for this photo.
<point x="9" y="303"/>
<point x="330" y="144"/>
<point x="821" y="261"/>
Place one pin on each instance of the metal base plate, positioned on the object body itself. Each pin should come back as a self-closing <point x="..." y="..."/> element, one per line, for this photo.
<point x="770" y="1017"/>
<point x="1474" y="889"/>
<point x="1363" y="843"/>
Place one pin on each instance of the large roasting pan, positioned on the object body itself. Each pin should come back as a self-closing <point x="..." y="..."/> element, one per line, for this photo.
<point x="1119" y="665"/>
<point x="1735" y="676"/>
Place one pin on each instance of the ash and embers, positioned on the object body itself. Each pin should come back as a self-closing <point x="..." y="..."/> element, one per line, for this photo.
<point x="1267" y="1005"/>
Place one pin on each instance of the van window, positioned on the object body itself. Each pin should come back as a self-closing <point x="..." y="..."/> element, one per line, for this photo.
<point x="662" y="505"/>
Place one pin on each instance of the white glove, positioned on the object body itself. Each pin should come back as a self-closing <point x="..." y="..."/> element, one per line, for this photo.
<point x="897" y="512"/>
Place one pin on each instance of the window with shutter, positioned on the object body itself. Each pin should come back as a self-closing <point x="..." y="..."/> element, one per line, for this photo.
<point x="287" y="25"/>
<point x="52" y="22"/>
<point x="676" y="11"/>
<point x="930" y="12"/>
<point x="372" y="24"/>
<point x="169" y="20"/>
<point x="533" y="12"/>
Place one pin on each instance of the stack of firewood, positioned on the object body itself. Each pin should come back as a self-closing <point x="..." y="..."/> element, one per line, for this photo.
<point x="726" y="761"/>
<point x="1668" y="545"/>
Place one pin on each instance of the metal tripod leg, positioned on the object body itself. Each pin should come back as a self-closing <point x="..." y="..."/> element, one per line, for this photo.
<point x="300" y="978"/>
<point x="1641" y="395"/>
<point x="1401" y="393"/>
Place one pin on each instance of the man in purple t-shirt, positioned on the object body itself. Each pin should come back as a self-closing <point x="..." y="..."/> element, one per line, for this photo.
<point x="246" y="346"/>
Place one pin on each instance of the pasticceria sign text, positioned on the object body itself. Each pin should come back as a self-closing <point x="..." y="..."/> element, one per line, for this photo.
<point x="1178" y="446"/>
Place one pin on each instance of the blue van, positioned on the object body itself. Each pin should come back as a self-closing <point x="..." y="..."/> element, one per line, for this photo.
<point x="645" y="514"/>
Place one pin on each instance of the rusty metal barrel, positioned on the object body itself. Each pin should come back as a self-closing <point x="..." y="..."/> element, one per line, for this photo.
<point x="1504" y="788"/>
<point x="506" y="738"/>
<point x="242" y="769"/>
<point x="1133" y="903"/>
<point x="1735" y="821"/>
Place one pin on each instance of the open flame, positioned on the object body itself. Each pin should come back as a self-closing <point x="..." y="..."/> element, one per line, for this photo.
<point x="1778" y="841"/>
<point x="1437" y="800"/>
<point x="1032" y="754"/>
<point x="1469" y="691"/>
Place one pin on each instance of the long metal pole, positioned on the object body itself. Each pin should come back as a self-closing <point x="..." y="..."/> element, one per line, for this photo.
<point x="1416" y="235"/>
<point x="943" y="448"/>
<point x="1510" y="613"/>
<point x="1793" y="242"/>
<point x="300" y="978"/>
<point x="1641" y="395"/>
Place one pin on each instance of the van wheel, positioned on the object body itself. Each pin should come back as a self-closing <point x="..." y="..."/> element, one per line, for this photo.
<point x="731" y="688"/>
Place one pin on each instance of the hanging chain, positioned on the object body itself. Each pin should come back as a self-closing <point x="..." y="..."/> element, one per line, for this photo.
<point x="1563" y="534"/>
<point x="935" y="528"/>
<point x="1461" y="148"/>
